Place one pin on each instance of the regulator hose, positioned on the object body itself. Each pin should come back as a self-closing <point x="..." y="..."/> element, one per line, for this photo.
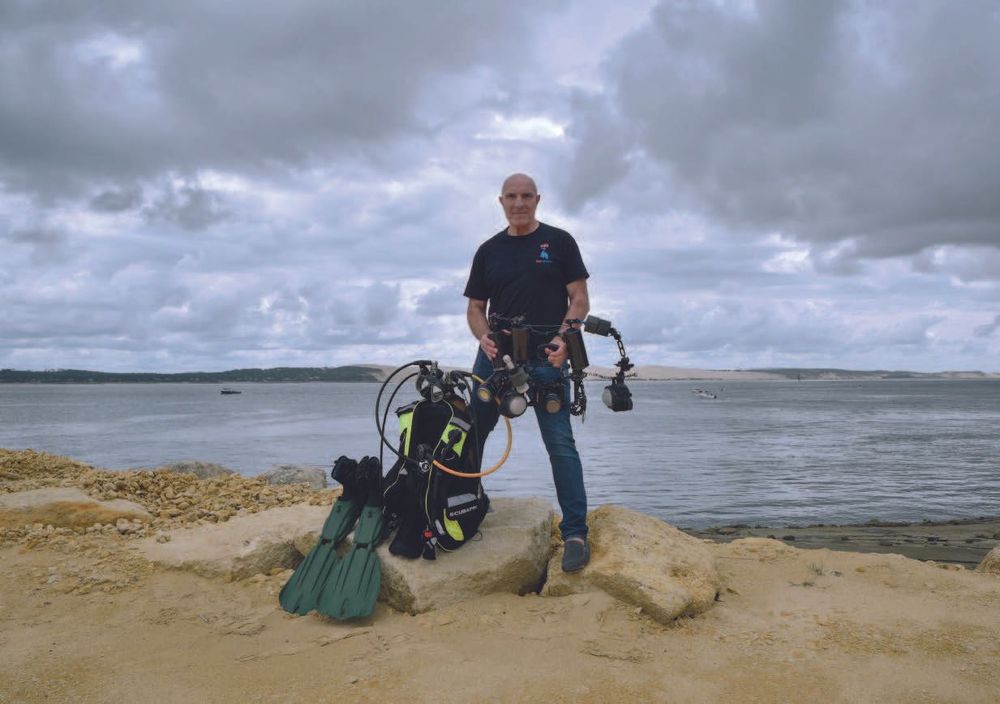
<point x="380" y="426"/>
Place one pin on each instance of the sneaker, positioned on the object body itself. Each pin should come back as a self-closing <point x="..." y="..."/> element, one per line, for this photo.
<point x="576" y="554"/>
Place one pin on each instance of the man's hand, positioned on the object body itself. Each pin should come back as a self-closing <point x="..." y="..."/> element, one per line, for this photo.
<point x="557" y="355"/>
<point x="488" y="346"/>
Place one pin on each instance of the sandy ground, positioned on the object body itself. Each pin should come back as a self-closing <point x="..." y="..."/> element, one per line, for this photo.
<point x="97" y="624"/>
<point x="84" y="619"/>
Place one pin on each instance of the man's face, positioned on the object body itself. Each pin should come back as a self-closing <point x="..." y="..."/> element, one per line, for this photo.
<point x="519" y="200"/>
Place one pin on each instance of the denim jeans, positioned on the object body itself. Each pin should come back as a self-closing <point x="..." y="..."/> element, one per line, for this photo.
<point x="557" y="434"/>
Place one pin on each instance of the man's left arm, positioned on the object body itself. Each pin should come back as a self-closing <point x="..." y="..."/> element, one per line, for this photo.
<point x="579" y="306"/>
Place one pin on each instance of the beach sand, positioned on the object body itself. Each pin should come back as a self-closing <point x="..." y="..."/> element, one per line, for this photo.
<point x="84" y="619"/>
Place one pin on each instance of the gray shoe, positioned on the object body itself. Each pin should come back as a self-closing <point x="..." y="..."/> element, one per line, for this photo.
<point x="576" y="554"/>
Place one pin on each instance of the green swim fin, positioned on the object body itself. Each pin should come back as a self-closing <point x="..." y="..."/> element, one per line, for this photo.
<point x="353" y="585"/>
<point x="299" y="594"/>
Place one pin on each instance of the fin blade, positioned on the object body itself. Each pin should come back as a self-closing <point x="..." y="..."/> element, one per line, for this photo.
<point x="298" y="595"/>
<point x="354" y="582"/>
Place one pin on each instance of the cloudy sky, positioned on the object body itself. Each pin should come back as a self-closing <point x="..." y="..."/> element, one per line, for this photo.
<point x="206" y="185"/>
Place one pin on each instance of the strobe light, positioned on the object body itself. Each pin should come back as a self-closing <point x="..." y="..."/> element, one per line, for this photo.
<point x="617" y="397"/>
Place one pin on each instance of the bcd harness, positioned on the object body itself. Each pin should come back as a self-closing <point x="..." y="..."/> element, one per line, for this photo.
<point x="430" y="508"/>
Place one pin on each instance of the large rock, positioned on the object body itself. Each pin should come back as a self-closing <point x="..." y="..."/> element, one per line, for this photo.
<point x="990" y="563"/>
<point x="296" y="474"/>
<point x="644" y="562"/>
<point x="202" y="470"/>
<point x="511" y="556"/>
<point x="64" y="507"/>
<point x="241" y="547"/>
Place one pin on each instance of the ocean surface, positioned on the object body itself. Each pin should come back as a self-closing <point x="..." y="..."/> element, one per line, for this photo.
<point x="770" y="452"/>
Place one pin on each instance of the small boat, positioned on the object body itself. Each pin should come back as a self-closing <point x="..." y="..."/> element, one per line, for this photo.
<point x="703" y="393"/>
<point x="227" y="391"/>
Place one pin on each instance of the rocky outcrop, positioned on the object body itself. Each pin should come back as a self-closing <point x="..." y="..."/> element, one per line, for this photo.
<point x="244" y="546"/>
<point x="314" y="477"/>
<point x="202" y="470"/>
<point x="173" y="498"/>
<point x="990" y="563"/>
<point x="644" y="562"/>
<point x="21" y="470"/>
<point x="67" y="507"/>
<point x="510" y="556"/>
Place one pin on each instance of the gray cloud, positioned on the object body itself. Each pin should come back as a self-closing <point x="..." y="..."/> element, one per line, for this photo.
<point x="117" y="200"/>
<point x="825" y="121"/>
<point x="988" y="330"/>
<point x="125" y="92"/>
<point x="602" y="148"/>
<point x="734" y="333"/>
<point x="189" y="206"/>
<point x="46" y="245"/>
<point x="43" y="237"/>
<point x="442" y="300"/>
<point x="967" y="264"/>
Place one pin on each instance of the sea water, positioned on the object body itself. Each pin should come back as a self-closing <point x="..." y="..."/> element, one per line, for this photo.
<point x="766" y="452"/>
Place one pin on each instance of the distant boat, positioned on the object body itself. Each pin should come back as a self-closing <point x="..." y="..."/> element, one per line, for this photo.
<point x="703" y="393"/>
<point x="227" y="391"/>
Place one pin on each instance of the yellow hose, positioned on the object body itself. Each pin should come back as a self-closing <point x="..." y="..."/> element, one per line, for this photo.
<point x="491" y="470"/>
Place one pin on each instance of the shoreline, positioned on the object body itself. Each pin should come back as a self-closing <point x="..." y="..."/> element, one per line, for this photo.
<point x="595" y="374"/>
<point x="960" y="541"/>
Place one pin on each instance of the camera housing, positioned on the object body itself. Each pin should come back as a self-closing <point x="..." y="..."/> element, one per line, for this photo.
<point x="550" y="396"/>
<point x="508" y="385"/>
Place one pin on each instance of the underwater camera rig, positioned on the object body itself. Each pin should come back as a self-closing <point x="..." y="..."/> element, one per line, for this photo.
<point x="511" y="387"/>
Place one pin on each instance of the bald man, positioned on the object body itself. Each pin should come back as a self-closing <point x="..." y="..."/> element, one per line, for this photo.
<point x="534" y="270"/>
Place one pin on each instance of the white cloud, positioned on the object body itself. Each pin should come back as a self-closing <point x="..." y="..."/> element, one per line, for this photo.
<point x="789" y="262"/>
<point x="112" y="48"/>
<point x="532" y="128"/>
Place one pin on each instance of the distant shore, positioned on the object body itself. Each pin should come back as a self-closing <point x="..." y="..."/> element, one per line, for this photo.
<point x="660" y="373"/>
<point x="376" y="374"/>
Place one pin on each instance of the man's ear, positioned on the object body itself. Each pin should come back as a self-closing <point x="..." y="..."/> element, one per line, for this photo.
<point x="538" y="198"/>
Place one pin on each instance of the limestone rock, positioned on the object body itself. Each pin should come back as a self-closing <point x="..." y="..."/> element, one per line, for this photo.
<point x="990" y="563"/>
<point x="202" y="470"/>
<point x="65" y="507"/>
<point x="644" y="562"/>
<point x="305" y="539"/>
<point x="511" y="556"/>
<point x="242" y="546"/>
<point x="296" y="474"/>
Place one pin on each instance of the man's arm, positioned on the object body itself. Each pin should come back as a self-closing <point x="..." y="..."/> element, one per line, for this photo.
<point x="475" y="314"/>
<point x="579" y="306"/>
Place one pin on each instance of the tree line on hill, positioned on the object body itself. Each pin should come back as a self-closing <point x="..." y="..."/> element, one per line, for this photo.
<point x="276" y="374"/>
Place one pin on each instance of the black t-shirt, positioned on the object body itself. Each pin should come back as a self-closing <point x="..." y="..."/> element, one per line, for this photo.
<point x="527" y="276"/>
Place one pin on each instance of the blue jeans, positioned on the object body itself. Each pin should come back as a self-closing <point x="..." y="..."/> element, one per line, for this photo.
<point x="557" y="434"/>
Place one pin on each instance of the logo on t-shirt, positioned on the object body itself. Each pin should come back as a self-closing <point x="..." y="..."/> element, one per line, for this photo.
<point x="543" y="254"/>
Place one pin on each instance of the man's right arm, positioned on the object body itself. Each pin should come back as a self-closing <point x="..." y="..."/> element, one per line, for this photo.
<point x="480" y="326"/>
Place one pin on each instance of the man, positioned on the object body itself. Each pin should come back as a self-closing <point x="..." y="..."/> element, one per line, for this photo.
<point x="535" y="270"/>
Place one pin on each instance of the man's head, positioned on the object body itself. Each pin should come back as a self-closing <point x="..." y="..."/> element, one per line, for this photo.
<point x="519" y="198"/>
